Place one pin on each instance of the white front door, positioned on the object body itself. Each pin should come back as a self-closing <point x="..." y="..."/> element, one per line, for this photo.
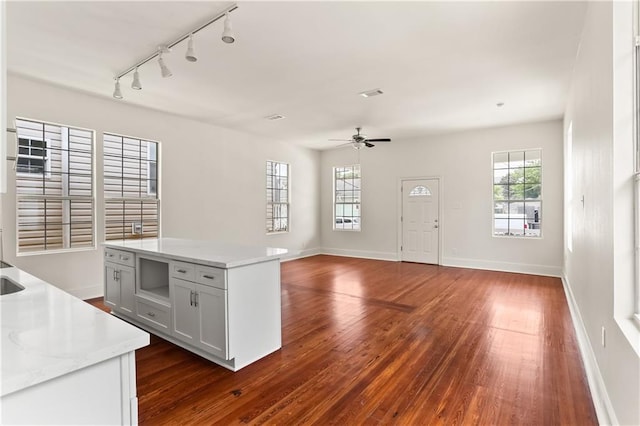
<point x="420" y="226"/>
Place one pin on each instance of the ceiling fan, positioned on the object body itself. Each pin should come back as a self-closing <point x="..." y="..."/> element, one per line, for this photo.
<point x="358" y="140"/>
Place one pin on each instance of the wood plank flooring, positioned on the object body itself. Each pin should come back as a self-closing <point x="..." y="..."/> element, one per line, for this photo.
<point x="375" y="342"/>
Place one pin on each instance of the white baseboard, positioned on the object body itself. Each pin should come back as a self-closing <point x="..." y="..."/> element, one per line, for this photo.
<point x="301" y="254"/>
<point x="375" y="255"/>
<point x="85" y="293"/>
<point x="604" y="409"/>
<point x="491" y="265"/>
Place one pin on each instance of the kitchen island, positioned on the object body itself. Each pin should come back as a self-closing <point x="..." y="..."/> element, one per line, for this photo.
<point x="63" y="360"/>
<point x="218" y="300"/>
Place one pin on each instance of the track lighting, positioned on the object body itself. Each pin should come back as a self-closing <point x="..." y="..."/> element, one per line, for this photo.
<point x="135" y="84"/>
<point x="190" y="55"/>
<point x="116" y="91"/>
<point x="227" y="35"/>
<point x="164" y="70"/>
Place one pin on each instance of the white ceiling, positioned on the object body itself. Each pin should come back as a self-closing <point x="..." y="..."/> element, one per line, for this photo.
<point x="443" y="66"/>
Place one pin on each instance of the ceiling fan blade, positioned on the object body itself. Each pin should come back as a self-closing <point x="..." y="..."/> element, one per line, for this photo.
<point x="368" y="145"/>
<point x="378" y="140"/>
<point x="339" y="140"/>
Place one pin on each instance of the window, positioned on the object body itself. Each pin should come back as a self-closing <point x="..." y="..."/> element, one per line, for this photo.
<point x="54" y="187"/>
<point x="277" y="197"/>
<point x="420" y="191"/>
<point x="131" y="203"/>
<point x="346" y="199"/>
<point x="517" y="193"/>
<point x="32" y="157"/>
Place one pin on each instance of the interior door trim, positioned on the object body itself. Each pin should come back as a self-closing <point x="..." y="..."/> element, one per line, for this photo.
<point x="441" y="220"/>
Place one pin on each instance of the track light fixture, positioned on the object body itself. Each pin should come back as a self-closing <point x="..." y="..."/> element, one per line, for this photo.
<point x="135" y="84"/>
<point x="164" y="70"/>
<point x="227" y="36"/>
<point x="116" y="91"/>
<point x="190" y="55"/>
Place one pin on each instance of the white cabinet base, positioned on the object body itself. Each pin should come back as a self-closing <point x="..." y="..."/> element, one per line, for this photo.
<point x="219" y="301"/>
<point x="253" y="317"/>
<point x="66" y="400"/>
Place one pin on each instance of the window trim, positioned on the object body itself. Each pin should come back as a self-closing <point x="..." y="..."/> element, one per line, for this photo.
<point x="149" y="162"/>
<point x="636" y="142"/>
<point x="540" y="199"/>
<point x="70" y="198"/>
<point x="334" y="203"/>
<point x="272" y="203"/>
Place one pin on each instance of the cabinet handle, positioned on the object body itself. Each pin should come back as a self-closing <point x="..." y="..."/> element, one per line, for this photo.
<point x="151" y="314"/>
<point x="116" y="275"/>
<point x="209" y="277"/>
<point x="191" y="298"/>
<point x="124" y="257"/>
<point x="182" y="271"/>
<point x="196" y="301"/>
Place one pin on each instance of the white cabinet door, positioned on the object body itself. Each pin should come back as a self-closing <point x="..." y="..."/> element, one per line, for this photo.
<point x="111" y="285"/>
<point x="212" y="315"/>
<point x="119" y="287"/>
<point x="127" y="278"/>
<point x="185" y="312"/>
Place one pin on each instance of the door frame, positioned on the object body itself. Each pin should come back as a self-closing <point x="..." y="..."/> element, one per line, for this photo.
<point x="440" y="214"/>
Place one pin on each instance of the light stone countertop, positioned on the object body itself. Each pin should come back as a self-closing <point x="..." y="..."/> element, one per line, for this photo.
<point x="47" y="333"/>
<point x="212" y="253"/>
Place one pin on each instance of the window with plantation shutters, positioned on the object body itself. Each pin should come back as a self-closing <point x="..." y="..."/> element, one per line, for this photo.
<point x="54" y="187"/>
<point x="277" y="197"/>
<point x="131" y="201"/>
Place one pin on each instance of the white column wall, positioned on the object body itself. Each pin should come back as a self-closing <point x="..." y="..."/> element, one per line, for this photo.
<point x="598" y="271"/>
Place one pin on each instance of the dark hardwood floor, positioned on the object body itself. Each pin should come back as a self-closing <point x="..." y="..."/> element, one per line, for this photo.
<point x="374" y="342"/>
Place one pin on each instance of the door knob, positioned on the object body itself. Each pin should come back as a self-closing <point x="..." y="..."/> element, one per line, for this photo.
<point x="435" y="226"/>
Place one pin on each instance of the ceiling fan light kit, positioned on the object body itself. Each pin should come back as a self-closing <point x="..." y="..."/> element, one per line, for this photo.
<point x="359" y="141"/>
<point x="228" y="37"/>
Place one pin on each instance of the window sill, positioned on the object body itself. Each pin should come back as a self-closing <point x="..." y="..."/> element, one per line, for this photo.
<point x="57" y="251"/>
<point x="519" y="237"/>
<point x="630" y="328"/>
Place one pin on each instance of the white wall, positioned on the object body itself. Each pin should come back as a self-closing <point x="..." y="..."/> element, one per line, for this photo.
<point x="463" y="161"/>
<point x="598" y="271"/>
<point x="212" y="180"/>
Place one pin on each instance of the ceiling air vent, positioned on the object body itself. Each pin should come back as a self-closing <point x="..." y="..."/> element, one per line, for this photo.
<point x="275" y="117"/>
<point x="370" y="93"/>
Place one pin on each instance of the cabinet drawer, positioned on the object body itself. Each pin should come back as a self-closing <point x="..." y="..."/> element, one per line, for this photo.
<point x="120" y="257"/>
<point x="154" y="314"/>
<point x="182" y="270"/>
<point x="208" y="275"/>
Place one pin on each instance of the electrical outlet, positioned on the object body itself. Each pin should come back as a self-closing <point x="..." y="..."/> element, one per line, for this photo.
<point x="604" y="337"/>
